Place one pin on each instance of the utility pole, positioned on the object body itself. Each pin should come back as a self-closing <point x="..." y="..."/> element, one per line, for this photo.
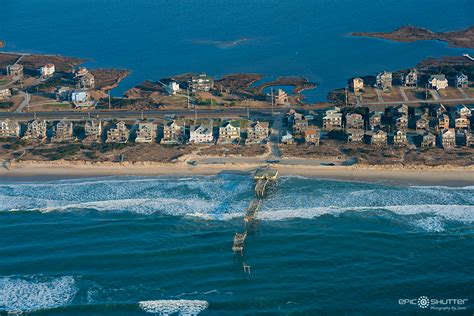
<point x="187" y="91"/>
<point x="141" y="113"/>
<point x="345" y="94"/>
<point x="109" y="101"/>
<point x="272" y="98"/>
<point x="248" y="113"/>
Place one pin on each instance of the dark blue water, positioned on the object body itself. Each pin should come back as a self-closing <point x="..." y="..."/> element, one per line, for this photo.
<point x="157" y="38"/>
<point x="101" y="246"/>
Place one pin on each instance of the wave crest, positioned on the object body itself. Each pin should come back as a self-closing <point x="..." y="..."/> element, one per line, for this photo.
<point x="168" y="307"/>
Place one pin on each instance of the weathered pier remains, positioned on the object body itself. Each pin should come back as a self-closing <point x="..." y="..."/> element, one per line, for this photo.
<point x="264" y="178"/>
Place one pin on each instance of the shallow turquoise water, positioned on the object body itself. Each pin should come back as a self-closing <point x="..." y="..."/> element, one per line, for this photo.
<point x="99" y="246"/>
<point x="158" y="38"/>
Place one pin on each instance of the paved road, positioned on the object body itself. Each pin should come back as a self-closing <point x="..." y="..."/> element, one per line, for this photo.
<point x="26" y="100"/>
<point x="418" y="101"/>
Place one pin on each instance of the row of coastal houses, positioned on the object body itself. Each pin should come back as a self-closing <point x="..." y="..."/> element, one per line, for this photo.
<point x="384" y="81"/>
<point x="174" y="132"/>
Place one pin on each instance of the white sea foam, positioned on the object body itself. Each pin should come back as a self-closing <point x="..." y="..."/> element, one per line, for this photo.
<point x="431" y="224"/>
<point x="31" y="294"/>
<point x="170" y="307"/>
<point x="462" y="213"/>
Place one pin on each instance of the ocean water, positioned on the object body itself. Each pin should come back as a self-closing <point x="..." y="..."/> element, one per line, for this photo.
<point x="162" y="245"/>
<point x="158" y="38"/>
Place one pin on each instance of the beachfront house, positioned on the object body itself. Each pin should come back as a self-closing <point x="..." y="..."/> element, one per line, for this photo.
<point x="333" y="119"/>
<point x="201" y="133"/>
<point x="383" y="80"/>
<point x="174" y="133"/>
<point x="375" y="120"/>
<point x="172" y="88"/>
<point x="428" y="141"/>
<point x="438" y="82"/>
<point x="379" y="138"/>
<point x="448" y="138"/>
<point x="146" y="132"/>
<point x="119" y="134"/>
<point x="312" y="136"/>
<point x="357" y="84"/>
<point x="36" y="130"/>
<point x="279" y="97"/>
<point x="354" y="121"/>
<point x="257" y="132"/>
<point x="411" y="78"/>
<point x="402" y="109"/>
<point x="5" y="94"/>
<point x="469" y="137"/>
<point x="355" y="136"/>
<point x="9" y="128"/>
<point x="62" y="132"/>
<point x="229" y="133"/>
<point x="15" y="71"/>
<point x="81" y="99"/>
<point x="47" y="70"/>
<point x="400" y="139"/>
<point x="201" y="83"/>
<point x="93" y="131"/>
<point x="300" y="124"/>
<point x="461" y="81"/>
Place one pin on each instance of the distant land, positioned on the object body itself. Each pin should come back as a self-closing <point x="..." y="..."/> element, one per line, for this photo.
<point x="463" y="38"/>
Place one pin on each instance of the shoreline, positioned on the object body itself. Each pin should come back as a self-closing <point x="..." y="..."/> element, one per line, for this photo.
<point x="416" y="175"/>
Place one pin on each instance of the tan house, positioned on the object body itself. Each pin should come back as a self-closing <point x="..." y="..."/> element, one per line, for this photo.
<point x="9" y="129"/>
<point x="429" y="141"/>
<point x="62" y="132"/>
<point x="379" y="139"/>
<point x="438" y="82"/>
<point x="93" y="131"/>
<point x="333" y="119"/>
<point x="86" y="79"/>
<point x="119" y="134"/>
<point x="402" y="109"/>
<point x="354" y="121"/>
<point x="355" y="136"/>
<point x="312" y="136"/>
<point x="5" y="94"/>
<point x="401" y="123"/>
<point x="300" y="125"/>
<point x="36" y="130"/>
<point x="201" y="83"/>
<point x="229" y="133"/>
<point x="15" y="70"/>
<point x="443" y="121"/>
<point x="280" y="97"/>
<point x="287" y="138"/>
<point x="47" y="70"/>
<point x="422" y="124"/>
<point x="174" y="133"/>
<point x="375" y="120"/>
<point x="448" y="138"/>
<point x="357" y="84"/>
<point x="469" y="136"/>
<point x="383" y="80"/>
<point x="462" y="123"/>
<point x="257" y="132"/>
<point x="462" y="110"/>
<point x="146" y="133"/>
<point x="400" y="139"/>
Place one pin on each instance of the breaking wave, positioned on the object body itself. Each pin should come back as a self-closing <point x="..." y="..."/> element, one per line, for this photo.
<point x="169" y="307"/>
<point x="34" y="293"/>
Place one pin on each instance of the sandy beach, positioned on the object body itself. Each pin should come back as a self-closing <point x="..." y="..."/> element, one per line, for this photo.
<point x="408" y="175"/>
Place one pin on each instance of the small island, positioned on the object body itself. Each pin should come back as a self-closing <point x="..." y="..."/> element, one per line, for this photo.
<point x="462" y="38"/>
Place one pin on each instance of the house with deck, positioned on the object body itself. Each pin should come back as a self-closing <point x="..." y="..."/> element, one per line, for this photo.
<point x="469" y="138"/>
<point x="9" y="129"/>
<point x="401" y="122"/>
<point x="202" y="133"/>
<point x="257" y="132"/>
<point x="379" y="138"/>
<point x="312" y="136"/>
<point x="461" y="81"/>
<point x="462" y="111"/>
<point x="47" y="70"/>
<point x="375" y="120"/>
<point x="355" y="136"/>
<point x="5" y="94"/>
<point x="278" y="97"/>
<point x="201" y="83"/>
<point x="172" y="88"/>
<point x="448" y="138"/>
<point x="400" y="139"/>
<point x="15" y="71"/>
<point x="462" y="123"/>
<point x="422" y="124"/>
<point x="93" y="131"/>
<point x="357" y="84"/>
<point x="287" y="138"/>
<point x="36" y="130"/>
<point x="229" y="132"/>
<point x="119" y="134"/>
<point x="146" y="132"/>
<point x="354" y="121"/>
<point x="428" y="141"/>
<point x="174" y="133"/>
<point x="63" y="132"/>
<point x="443" y="121"/>
<point x="333" y="119"/>
<point x="438" y="82"/>
<point x="383" y="80"/>
<point x="411" y="78"/>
